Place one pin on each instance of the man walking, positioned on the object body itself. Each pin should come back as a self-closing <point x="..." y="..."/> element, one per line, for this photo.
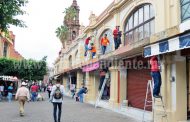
<point x="56" y="97"/>
<point x="22" y="96"/>
<point x="34" y="90"/>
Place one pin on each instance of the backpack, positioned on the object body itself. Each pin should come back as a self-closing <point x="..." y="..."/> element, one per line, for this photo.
<point x="58" y="94"/>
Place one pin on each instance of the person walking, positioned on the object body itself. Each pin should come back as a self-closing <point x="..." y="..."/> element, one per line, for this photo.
<point x="56" y="97"/>
<point x="34" y="91"/>
<point x="155" y="73"/>
<point x="104" y="43"/>
<point x="10" y="92"/>
<point x="72" y="88"/>
<point x="22" y="95"/>
<point x="49" y="88"/>
<point x="1" y="91"/>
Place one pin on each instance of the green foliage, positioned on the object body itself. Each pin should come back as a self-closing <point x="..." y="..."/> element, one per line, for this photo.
<point x="9" y="9"/>
<point x="24" y="69"/>
<point x="62" y="33"/>
<point x="70" y="13"/>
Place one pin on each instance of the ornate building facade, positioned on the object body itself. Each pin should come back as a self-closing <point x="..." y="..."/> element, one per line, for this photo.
<point x="150" y="27"/>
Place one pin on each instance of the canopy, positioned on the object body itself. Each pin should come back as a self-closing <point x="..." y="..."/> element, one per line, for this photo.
<point x="165" y="46"/>
<point x="9" y="78"/>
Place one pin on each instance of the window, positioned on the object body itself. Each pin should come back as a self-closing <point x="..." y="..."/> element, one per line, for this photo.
<point x="5" y="49"/>
<point x="185" y="10"/>
<point x="140" y="24"/>
<point x="73" y="35"/>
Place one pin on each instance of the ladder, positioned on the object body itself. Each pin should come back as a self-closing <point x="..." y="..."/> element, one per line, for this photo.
<point x="149" y="103"/>
<point x="101" y="92"/>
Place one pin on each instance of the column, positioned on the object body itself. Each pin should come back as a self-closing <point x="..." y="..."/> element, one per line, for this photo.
<point x="123" y="84"/>
<point x="79" y="80"/>
<point x="87" y="84"/>
<point x="181" y="89"/>
<point x="114" y="87"/>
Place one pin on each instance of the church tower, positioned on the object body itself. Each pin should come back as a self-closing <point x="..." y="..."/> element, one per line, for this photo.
<point x="73" y="25"/>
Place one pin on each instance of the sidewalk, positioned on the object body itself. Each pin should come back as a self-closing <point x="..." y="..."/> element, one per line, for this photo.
<point x="42" y="111"/>
<point x="127" y="111"/>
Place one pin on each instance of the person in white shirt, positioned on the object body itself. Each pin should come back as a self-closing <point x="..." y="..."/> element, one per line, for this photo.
<point x="56" y="97"/>
<point x="22" y="96"/>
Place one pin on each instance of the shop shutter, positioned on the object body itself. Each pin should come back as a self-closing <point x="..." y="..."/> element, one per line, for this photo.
<point x="136" y="87"/>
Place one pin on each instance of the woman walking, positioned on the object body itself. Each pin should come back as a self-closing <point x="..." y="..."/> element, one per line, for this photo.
<point x="10" y="92"/>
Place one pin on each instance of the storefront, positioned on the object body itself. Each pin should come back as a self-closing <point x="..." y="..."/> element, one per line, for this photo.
<point x="137" y="79"/>
<point x="5" y="81"/>
<point x="92" y="81"/>
<point x="175" y="61"/>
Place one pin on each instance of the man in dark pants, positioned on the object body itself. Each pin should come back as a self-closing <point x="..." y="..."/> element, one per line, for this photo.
<point x="56" y="98"/>
<point x="155" y="72"/>
<point x="115" y="36"/>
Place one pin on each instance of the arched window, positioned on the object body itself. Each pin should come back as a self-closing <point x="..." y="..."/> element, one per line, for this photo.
<point x="185" y="10"/>
<point x="140" y="24"/>
<point x="73" y="35"/>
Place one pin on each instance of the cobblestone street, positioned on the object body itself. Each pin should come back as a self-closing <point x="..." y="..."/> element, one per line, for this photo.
<point x="72" y="112"/>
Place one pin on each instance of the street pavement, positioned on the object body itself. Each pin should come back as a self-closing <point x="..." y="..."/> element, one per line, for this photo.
<point x="42" y="111"/>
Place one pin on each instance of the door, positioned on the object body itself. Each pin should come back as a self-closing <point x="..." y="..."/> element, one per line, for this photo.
<point x="137" y="80"/>
<point x="136" y="87"/>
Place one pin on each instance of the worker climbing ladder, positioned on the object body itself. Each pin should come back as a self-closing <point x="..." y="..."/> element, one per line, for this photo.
<point x="102" y="90"/>
<point x="152" y="103"/>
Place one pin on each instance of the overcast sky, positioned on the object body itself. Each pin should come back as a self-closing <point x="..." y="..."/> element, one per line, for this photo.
<point x="44" y="16"/>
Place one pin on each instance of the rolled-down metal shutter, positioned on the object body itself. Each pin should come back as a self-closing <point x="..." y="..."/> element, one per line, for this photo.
<point x="136" y="87"/>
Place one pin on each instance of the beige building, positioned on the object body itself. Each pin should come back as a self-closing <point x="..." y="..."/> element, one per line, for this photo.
<point x="149" y="27"/>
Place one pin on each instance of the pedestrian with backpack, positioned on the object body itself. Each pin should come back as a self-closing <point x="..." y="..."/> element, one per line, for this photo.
<point x="56" y="97"/>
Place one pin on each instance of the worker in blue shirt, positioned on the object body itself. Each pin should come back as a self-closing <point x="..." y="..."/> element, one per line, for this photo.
<point x="80" y="93"/>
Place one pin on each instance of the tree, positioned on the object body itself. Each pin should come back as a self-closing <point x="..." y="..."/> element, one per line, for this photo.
<point x="9" y="9"/>
<point x="62" y="34"/>
<point x="26" y="69"/>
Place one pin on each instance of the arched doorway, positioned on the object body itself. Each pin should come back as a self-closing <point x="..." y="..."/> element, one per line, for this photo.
<point x="110" y="37"/>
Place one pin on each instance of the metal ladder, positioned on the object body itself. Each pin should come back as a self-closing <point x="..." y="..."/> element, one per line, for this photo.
<point x="101" y="92"/>
<point x="149" y="103"/>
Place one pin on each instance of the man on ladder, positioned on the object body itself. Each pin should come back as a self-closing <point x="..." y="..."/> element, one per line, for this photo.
<point x="156" y="77"/>
<point x="155" y="73"/>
